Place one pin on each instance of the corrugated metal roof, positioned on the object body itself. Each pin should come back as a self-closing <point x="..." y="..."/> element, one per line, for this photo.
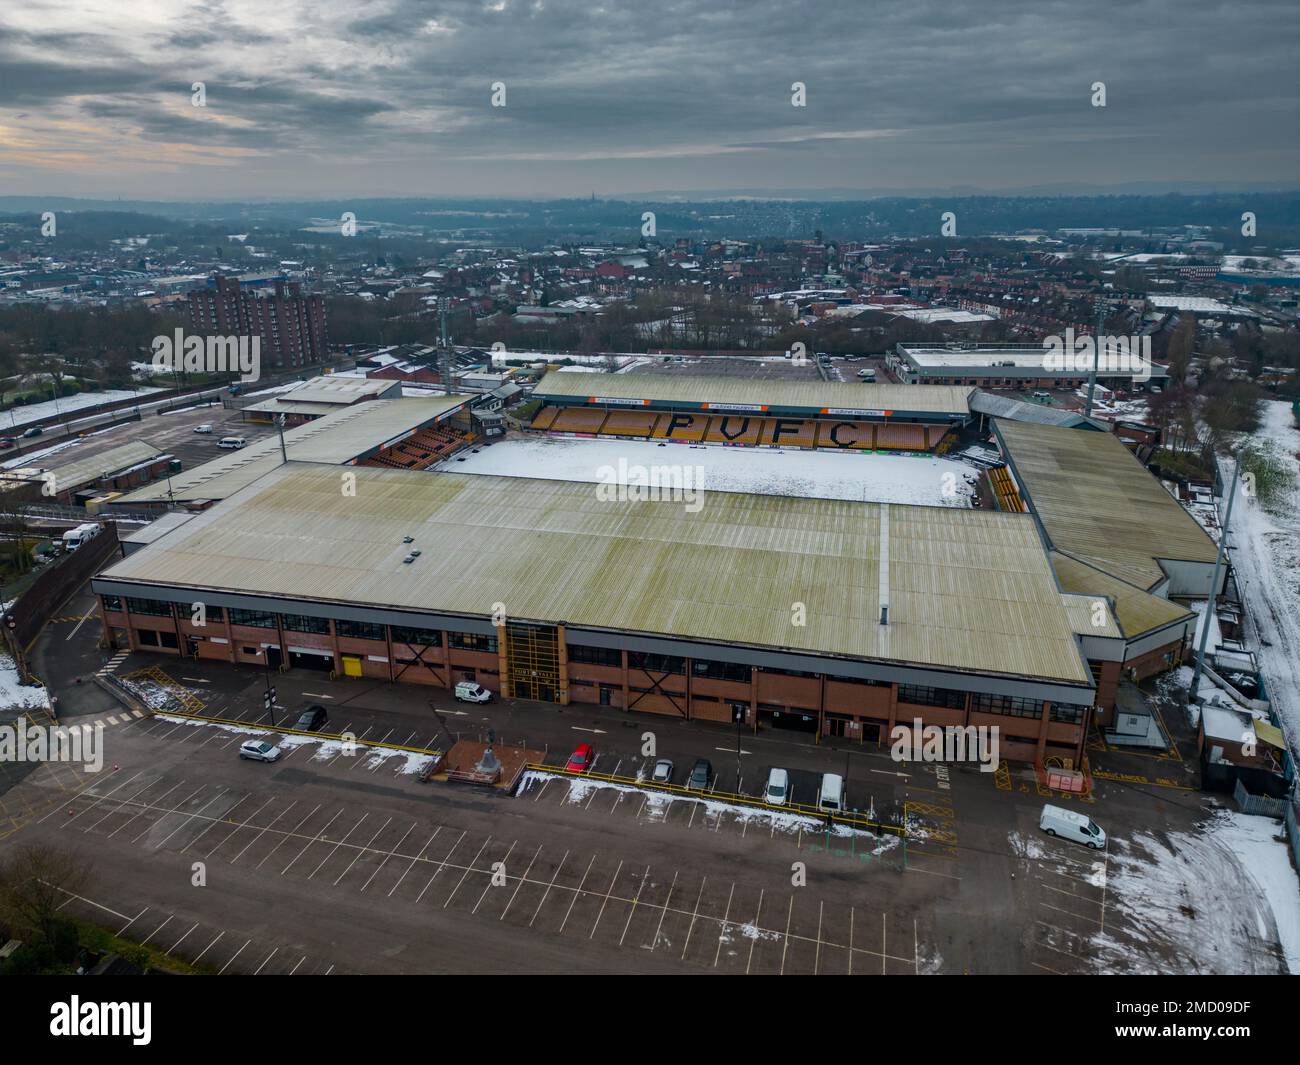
<point x="1098" y="503"/>
<point x="73" y="472"/>
<point x="968" y="590"/>
<point x="1137" y="611"/>
<point x="1090" y="615"/>
<point x="1020" y="411"/>
<point x="336" y="438"/>
<point x="809" y="395"/>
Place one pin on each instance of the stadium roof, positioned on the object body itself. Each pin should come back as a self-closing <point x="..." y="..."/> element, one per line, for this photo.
<point x="1136" y="611"/>
<point x="701" y="392"/>
<point x="1097" y="503"/>
<point x="1018" y="410"/>
<point x="967" y="590"/>
<point x="337" y="438"/>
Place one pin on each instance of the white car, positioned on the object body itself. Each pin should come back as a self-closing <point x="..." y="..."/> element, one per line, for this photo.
<point x="778" y="787"/>
<point x="469" y="692"/>
<point x="204" y="428"/>
<point x="259" y="751"/>
<point x="663" y="772"/>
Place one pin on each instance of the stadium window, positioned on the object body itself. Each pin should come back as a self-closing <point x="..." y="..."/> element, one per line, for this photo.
<point x="418" y="637"/>
<point x="152" y="607"/>
<point x="1068" y="713"/>
<point x="926" y="696"/>
<point x="1007" y="706"/>
<point x="112" y="602"/>
<point x="257" y="619"/>
<point x="471" y="641"/>
<point x="733" y="671"/>
<point x="359" y="630"/>
<point x="146" y="637"/>
<point x="787" y="672"/>
<point x="305" y="623"/>
<point x="595" y="656"/>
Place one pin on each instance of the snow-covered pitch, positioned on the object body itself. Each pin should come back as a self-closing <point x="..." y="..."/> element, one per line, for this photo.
<point x="919" y="479"/>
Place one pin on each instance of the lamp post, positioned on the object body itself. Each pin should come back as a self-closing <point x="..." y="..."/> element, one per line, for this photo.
<point x="1214" y="584"/>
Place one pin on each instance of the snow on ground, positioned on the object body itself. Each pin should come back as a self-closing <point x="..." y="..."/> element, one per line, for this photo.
<point x="35" y="412"/>
<point x="1222" y="899"/>
<point x="771" y="471"/>
<point x="1258" y="843"/>
<point x="581" y="788"/>
<point x="415" y="763"/>
<point x="1266" y="557"/>
<point x="16" y="696"/>
<point x="32" y="458"/>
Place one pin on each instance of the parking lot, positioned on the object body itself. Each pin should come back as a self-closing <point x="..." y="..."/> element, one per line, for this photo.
<point x="598" y="873"/>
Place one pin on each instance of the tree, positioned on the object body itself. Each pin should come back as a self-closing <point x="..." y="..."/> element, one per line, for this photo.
<point x="35" y="881"/>
<point x="1180" y="347"/>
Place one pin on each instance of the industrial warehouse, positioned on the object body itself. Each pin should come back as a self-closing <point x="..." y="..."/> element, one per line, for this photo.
<point x="829" y="616"/>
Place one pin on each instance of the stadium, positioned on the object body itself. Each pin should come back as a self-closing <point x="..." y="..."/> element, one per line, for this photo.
<point x="829" y="613"/>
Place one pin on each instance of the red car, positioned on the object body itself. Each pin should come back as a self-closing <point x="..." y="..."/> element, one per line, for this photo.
<point x="581" y="758"/>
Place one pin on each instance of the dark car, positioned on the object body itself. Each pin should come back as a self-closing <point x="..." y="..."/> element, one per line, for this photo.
<point x="701" y="775"/>
<point x="312" y="719"/>
<point x="35" y="430"/>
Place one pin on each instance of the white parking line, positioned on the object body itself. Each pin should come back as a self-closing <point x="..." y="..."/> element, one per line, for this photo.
<point x="468" y="869"/>
<point x="548" y="888"/>
<point x="573" y="901"/>
<point x="236" y="955"/>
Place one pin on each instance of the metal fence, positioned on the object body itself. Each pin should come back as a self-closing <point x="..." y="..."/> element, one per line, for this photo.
<point x="1262" y="805"/>
<point x="1293" y="830"/>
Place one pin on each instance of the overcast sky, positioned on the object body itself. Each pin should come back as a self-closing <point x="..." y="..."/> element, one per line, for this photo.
<point x="393" y="97"/>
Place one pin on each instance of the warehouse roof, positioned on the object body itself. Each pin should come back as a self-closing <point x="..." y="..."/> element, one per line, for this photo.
<point x="1097" y="503"/>
<point x="698" y="392"/>
<point x="967" y="590"/>
<point x="320" y="395"/>
<point x="85" y="467"/>
<point x="337" y="438"/>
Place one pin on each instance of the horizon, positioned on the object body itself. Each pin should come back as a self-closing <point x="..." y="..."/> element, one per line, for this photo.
<point x="541" y="100"/>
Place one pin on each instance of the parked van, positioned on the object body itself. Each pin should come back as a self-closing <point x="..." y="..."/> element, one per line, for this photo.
<point x="778" y="787"/>
<point x="469" y="692"/>
<point x="831" y="796"/>
<point x="1043" y="397"/>
<point x="74" y="538"/>
<point x="1072" y="825"/>
<point x="866" y="375"/>
<point x="231" y="443"/>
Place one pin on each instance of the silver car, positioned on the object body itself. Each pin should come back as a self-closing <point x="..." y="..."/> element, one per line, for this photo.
<point x="259" y="751"/>
<point x="663" y="772"/>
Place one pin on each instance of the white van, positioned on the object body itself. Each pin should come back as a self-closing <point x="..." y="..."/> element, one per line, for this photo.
<point x="1072" y="825"/>
<point x="231" y="443"/>
<point x="831" y="796"/>
<point x="74" y="538"/>
<point x="469" y="692"/>
<point x="778" y="787"/>
<point x="866" y="375"/>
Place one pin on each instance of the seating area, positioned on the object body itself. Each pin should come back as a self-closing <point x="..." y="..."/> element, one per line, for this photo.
<point x="1005" y="489"/>
<point x="422" y="449"/>
<point x="739" y="429"/>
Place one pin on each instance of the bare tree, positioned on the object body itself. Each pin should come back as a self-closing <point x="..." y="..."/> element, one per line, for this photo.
<point x="35" y="880"/>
